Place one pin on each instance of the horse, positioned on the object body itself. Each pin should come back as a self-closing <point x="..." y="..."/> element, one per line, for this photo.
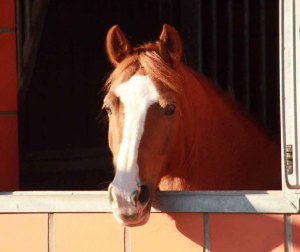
<point x="170" y="128"/>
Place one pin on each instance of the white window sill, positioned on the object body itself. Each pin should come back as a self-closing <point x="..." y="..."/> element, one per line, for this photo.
<point x="192" y="201"/>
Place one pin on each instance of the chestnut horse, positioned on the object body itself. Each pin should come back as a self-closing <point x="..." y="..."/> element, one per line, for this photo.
<point x="171" y="129"/>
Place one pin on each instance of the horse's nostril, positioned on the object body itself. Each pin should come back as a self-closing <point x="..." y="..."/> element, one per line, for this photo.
<point x="144" y="194"/>
<point x="141" y="195"/>
<point x="134" y="197"/>
<point x="126" y="216"/>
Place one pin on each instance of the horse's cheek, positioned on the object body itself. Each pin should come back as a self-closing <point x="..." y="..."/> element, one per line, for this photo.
<point x="170" y="133"/>
<point x="114" y="137"/>
<point x="111" y="136"/>
<point x="110" y="139"/>
<point x="165" y="144"/>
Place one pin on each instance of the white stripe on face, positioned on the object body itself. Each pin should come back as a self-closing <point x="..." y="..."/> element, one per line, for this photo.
<point x="137" y="95"/>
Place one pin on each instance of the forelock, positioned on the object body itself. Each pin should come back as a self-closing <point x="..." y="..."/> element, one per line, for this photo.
<point x="146" y="62"/>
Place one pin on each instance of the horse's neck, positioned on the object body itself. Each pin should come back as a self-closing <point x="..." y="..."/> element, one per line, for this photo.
<point x="229" y="151"/>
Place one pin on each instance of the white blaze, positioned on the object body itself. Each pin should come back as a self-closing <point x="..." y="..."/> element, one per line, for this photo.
<point x="137" y="95"/>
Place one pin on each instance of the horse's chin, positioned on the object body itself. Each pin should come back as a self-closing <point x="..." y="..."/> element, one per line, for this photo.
<point x="139" y="218"/>
<point x="134" y="223"/>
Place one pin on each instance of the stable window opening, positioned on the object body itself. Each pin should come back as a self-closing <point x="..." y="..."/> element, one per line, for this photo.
<point x="238" y="45"/>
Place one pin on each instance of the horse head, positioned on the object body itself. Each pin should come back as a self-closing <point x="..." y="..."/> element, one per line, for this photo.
<point x="143" y="109"/>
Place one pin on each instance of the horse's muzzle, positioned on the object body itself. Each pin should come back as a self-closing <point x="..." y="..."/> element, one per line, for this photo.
<point x="130" y="209"/>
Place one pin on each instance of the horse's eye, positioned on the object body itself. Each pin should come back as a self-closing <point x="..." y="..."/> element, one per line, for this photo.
<point x="170" y="109"/>
<point x="107" y="109"/>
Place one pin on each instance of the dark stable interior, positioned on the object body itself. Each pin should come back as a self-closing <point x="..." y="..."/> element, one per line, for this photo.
<point x="62" y="137"/>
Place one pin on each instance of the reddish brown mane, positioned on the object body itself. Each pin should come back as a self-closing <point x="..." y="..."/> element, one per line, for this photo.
<point x="227" y="149"/>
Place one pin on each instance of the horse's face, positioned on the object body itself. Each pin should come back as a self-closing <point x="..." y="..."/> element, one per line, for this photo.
<point x="142" y="125"/>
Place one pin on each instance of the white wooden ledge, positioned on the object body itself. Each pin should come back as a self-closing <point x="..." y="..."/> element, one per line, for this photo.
<point x="192" y="201"/>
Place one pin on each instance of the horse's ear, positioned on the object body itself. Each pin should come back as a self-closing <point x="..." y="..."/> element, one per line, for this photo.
<point x="117" y="45"/>
<point x="170" y="44"/>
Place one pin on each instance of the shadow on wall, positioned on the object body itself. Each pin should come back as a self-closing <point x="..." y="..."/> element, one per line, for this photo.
<point x="240" y="232"/>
